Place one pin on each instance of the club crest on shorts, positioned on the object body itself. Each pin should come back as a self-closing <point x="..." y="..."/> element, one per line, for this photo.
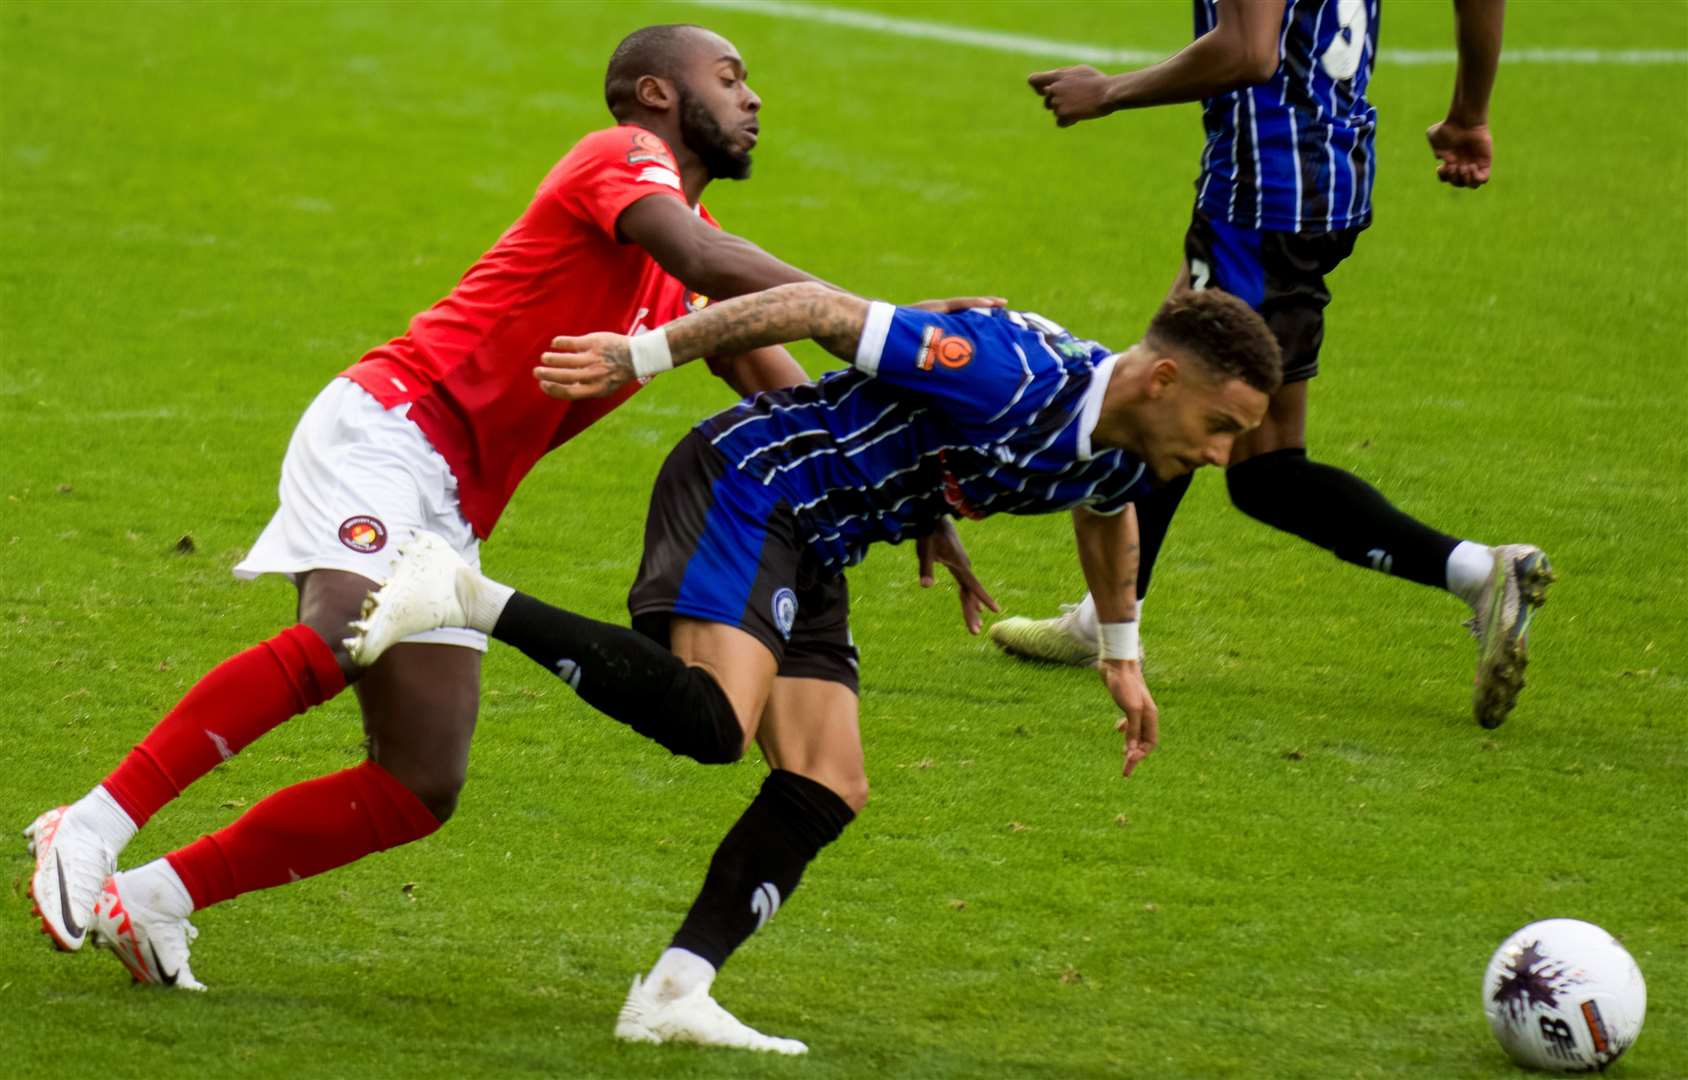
<point x="363" y="534"/>
<point x="785" y="611"/>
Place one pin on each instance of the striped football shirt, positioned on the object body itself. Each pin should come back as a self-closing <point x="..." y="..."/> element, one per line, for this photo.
<point x="1295" y="153"/>
<point x="967" y="415"/>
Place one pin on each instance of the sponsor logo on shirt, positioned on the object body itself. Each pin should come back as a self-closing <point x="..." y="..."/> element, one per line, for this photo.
<point x="647" y="147"/>
<point x="949" y="350"/>
<point x="363" y="534"/>
<point x="696" y="301"/>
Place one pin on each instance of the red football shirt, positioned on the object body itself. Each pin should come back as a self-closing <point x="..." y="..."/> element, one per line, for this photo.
<point x="465" y="367"/>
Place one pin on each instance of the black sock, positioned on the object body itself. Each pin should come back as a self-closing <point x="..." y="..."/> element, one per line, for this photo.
<point x="1341" y="513"/>
<point x="760" y="862"/>
<point x="627" y="677"/>
<point x="1154" y="517"/>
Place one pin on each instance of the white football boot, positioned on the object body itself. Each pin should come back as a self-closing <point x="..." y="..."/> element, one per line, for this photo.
<point x="694" y="1017"/>
<point x="1055" y="641"/>
<point x="428" y="590"/>
<point x="152" y="944"/>
<point x="71" y="863"/>
<point x="1515" y="588"/>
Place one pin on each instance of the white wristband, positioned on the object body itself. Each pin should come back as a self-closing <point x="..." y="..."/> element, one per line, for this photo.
<point x="1119" y="640"/>
<point x="650" y="353"/>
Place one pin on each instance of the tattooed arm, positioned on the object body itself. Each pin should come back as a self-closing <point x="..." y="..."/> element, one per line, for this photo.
<point x="597" y="364"/>
<point x="1107" y="550"/>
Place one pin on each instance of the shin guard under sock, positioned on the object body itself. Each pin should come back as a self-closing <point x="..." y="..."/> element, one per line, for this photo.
<point x="303" y="830"/>
<point x="237" y="701"/>
<point x="1341" y="513"/>
<point x="627" y="677"/>
<point x="760" y="862"/>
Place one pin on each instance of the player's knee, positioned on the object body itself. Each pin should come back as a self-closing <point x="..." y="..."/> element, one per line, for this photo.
<point x="438" y="790"/>
<point x="701" y="722"/>
<point x="854" y="792"/>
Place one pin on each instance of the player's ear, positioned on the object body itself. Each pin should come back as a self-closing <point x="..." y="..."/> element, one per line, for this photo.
<point x="1163" y="376"/>
<point x="654" y="93"/>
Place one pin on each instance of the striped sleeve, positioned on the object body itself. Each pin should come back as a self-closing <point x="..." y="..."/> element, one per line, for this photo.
<point x="980" y="372"/>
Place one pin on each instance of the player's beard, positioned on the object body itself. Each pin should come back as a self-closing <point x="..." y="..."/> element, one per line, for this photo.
<point x="704" y="136"/>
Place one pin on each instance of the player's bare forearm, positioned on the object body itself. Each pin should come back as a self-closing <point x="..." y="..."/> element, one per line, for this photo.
<point x="830" y="318"/>
<point x="733" y="266"/>
<point x="770" y="368"/>
<point x="597" y="364"/>
<point x="707" y="260"/>
<point x="1478" y="28"/>
<point x="1108" y="553"/>
<point x="1240" y="50"/>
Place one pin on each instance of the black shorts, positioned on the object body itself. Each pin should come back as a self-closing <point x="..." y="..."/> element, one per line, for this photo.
<point x="720" y="546"/>
<point x="1279" y="274"/>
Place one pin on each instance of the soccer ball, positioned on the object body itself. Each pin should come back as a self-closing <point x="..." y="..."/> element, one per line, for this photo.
<point x="1563" y="995"/>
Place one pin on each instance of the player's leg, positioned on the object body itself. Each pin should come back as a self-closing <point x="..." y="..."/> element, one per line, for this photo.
<point x="1272" y="480"/>
<point x="700" y="699"/>
<point x="694" y="674"/>
<point x="355" y="473"/>
<point x="810" y="738"/>
<point x="76" y="846"/>
<point x="419" y="704"/>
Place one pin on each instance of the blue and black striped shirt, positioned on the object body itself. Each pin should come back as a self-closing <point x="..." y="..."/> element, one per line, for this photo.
<point x="1295" y="153"/>
<point x="972" y="414"/>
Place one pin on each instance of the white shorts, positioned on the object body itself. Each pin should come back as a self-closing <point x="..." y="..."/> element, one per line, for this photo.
<point x="357" y="481"/>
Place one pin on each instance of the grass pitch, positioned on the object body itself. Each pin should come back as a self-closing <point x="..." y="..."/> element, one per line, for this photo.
<point x="208" y="210"/>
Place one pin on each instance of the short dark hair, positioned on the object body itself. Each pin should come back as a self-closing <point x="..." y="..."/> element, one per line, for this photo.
<point x="1221" y="332"/>
<point x="652" y="50"/>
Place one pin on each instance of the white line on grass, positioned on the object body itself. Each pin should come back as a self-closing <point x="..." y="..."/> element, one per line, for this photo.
<point x="1025" y="45"/>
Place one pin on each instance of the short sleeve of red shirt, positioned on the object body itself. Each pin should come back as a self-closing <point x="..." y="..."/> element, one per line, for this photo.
<point x="613" y="169"/>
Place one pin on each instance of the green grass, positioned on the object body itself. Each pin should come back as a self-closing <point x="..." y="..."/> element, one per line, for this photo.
<point x="206" y="211"/>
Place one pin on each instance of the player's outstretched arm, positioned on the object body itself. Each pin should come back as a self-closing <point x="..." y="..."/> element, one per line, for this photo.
<point x="598" y="364"/>
<point x="1462" y="143"/>
<point x="1107" y="550"/>
<point x="707" y="260"/>
<point x="1240" y="50"/>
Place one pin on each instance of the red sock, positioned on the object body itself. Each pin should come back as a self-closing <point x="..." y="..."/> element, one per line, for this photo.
<point x="303" y="830"/>
<point x="237" y="701"/>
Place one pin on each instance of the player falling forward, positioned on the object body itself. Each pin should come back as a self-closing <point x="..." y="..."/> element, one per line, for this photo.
<point x="433" y="430"/>
<point x="1284" y="192"/>
<point x="760" y="509"/>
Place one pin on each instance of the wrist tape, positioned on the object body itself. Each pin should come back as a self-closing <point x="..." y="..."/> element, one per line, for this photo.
<point x="1119" y="640"/>
<point x="650" y="353"/>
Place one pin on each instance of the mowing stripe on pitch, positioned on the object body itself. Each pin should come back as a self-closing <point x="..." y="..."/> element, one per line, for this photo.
<point x="1071" y="51"/>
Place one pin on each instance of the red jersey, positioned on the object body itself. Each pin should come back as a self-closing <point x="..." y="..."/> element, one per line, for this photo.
<point x="465" y="367"/>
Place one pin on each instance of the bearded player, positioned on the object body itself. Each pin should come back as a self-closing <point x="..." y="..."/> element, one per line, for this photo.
<point x="433" y="430"/>
<point x="1284" y="193"/>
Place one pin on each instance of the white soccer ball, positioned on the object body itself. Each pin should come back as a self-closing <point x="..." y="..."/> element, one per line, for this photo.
<point x="1563" y="995"/>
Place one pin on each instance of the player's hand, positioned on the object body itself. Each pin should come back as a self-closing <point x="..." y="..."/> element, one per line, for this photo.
<point x="1466" y="153"/>
<point x="943" y="544"/>
<point x="584" y="367"/>
<point x="1072" y="93"/>
<point x="1141" y="723"/>
<point x="959" y="303"/>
